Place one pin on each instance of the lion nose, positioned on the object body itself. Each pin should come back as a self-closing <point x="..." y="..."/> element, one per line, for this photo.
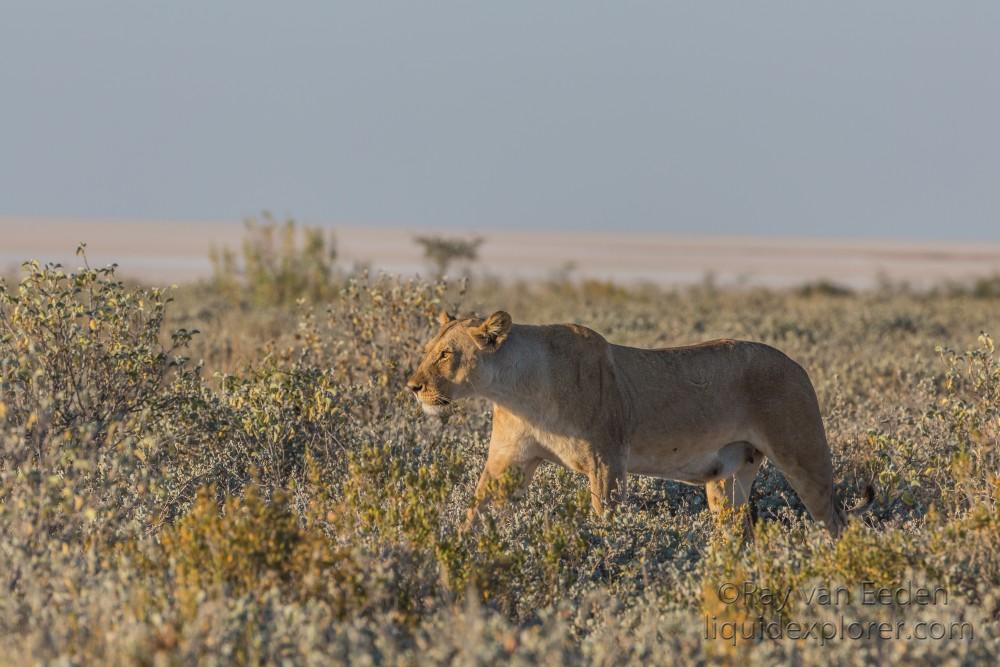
<point x="414" y="386"/>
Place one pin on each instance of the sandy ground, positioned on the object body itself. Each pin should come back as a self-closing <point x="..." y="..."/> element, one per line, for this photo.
<point x="174" y="252"/>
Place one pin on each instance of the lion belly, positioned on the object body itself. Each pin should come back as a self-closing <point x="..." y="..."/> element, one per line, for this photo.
<point x="700" y="463"/>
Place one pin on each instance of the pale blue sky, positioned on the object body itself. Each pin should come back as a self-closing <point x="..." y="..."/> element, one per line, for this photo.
<point x="835" y="118"/>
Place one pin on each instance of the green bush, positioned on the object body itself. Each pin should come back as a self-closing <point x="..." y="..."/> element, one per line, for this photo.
<point x="81" y="352"/>
<point x="250" y="546"/>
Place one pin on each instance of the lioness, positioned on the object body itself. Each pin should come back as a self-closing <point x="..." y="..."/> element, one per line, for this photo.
<point x="701" y="414"/>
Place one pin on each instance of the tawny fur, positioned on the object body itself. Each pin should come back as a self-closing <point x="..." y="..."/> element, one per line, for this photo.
<point x="702" y="414"/>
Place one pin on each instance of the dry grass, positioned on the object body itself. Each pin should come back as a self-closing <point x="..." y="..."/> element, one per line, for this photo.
<point x="265" y="492"/>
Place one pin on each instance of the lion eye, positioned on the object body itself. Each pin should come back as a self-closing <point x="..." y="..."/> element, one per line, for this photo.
<point x="444" y="354"/>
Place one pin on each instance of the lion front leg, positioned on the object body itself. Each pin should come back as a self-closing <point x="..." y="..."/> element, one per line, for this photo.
<point x="510" y="446"/>
<point x="496" y="467"/>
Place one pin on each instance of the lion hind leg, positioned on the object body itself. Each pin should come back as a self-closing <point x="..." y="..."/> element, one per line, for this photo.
<point x="733" y="491"/>
<point x="607" y="487"/>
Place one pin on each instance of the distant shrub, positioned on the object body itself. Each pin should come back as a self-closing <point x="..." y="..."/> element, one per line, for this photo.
<point x="442" y="252"/>
<point x="983" y="287"/>
<point x="986" y="288"/>
<point x="823" y="288"/>
<point x="276" y="266"/>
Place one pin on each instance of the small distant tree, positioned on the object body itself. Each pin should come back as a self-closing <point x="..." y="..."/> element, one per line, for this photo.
<point x="441" y="251"/>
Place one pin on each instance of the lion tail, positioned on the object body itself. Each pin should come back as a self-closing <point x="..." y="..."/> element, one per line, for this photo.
<point x="865" y="504"/>
<point x="843" y="513"/>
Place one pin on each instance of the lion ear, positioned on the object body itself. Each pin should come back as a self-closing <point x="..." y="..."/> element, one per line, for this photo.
<point x="444" y="317"/>
<point x="492" y="333"/>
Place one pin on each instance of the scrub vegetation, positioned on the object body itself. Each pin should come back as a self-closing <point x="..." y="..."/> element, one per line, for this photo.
<point x="234" y="471"/>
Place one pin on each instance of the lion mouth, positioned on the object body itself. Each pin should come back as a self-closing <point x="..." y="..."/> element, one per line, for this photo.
<point x="433" y="405"/>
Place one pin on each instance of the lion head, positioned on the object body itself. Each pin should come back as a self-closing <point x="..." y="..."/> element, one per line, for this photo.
<point x="453" y="361"/>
